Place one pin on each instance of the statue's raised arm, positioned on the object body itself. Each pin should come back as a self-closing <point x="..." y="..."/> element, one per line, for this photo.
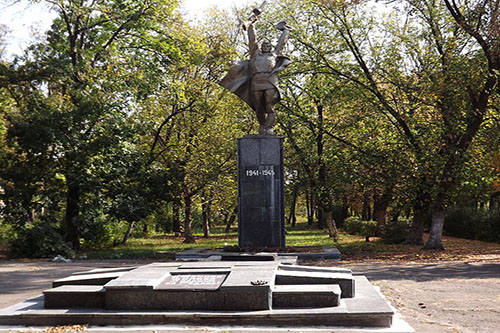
<point x="256" y="80"/>
<point x="252" y="42"/>
<point x="285" y="31"/>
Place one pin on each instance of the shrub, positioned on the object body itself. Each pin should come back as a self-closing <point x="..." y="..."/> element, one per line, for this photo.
<point x="459" y="222"/>
<point x="339" y="214"/>
<point x="490" y="230"/>
<point x="368" y="229"/>
<point x="396" y="232"/>
<point x="40" y="241"/>
<point x="7" y="233"/>
<point x="353" y="225"/>
<point x="473" y="223"/>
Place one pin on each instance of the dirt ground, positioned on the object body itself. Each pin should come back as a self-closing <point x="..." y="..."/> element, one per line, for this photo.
<point x="435" y="296"/>
<point x="440" y="296"/>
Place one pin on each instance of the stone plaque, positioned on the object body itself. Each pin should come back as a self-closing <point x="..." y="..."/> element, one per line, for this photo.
<point x="202" y="281"/>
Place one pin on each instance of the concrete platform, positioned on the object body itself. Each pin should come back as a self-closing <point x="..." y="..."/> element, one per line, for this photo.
<point x="368" y="309"/>
<point x="261" y="294"/>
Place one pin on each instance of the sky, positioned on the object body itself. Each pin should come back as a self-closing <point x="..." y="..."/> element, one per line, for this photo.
<point x="26" y="20"/>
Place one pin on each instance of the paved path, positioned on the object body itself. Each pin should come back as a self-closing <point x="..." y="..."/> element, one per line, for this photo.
<point x="441" y="297"/>
<point x="433" y="297"/>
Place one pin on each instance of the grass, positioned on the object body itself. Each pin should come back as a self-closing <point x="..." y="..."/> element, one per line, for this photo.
<point x="165" y="246"/>
<point x="353" y="248"/>
<point x="456" y="249"/>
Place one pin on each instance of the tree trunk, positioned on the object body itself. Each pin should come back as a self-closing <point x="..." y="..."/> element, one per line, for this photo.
<point x="380" y="204"/>
<point x="128" y="232"/>
<point x="188" y="234"/>
<point x="72" y="211"/>
<point x="292" y="218"/>
<point x="326" y="210"/>
<point x="494" y="201"/>
<point x="416" y="234"/>
<point x="366" y="212"/>
<point x="176" y="220"/>
<point x="421" y="210"/>
<point x="145" y="228"/>
<point x="330" y="223"/>
<point x="226" y="219"/>
<point x="320" y="215"/>
<point x="205" y="212"/>
<point x="309" y="208"/>
<point x="230" y="219"/>
<point x="323" y="195"/>
<point x="436" y="234"/>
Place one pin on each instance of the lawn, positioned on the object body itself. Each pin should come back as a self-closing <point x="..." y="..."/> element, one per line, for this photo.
<point x="353" y="248"/>
<point x="164" y="246"/>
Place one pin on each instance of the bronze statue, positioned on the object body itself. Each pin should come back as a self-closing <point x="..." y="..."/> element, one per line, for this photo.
<point x="256" y="80"/>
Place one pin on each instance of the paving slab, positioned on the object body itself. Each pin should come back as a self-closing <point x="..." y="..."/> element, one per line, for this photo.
<point x="106" y="270"/>
<point x="147" y="276"/>
<point x="314" y="269"/>
<point x="326" y="253"/>
<point x="88" y="279"/>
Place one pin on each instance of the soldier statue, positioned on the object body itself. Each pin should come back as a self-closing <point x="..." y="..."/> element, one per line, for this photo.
<point x="256" y="80"/>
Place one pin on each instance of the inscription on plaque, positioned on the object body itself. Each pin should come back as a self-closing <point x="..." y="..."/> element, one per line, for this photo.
<point x="259" y="171"/>
<point x="192" y="282"/>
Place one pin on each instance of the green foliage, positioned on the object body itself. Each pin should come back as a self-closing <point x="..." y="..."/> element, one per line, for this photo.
<point x="117" y="114"/>
<point x="369" y="229"/>
<point x="339" y="214"/>
<point x="472" y="223"/>
<point x="41" y="240"/>
<point x="100" y="231"/>
<point x="355" y="226"/>
<point x="7" y="232"/>
<point x="396" y="232"/>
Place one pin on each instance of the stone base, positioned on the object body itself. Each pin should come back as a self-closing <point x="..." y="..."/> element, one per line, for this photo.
<point x="258" y="294"/>
<point x="368" y="309"/>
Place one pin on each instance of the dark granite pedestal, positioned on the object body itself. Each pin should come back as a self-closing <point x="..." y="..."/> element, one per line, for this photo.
<point x="261" y="192"/>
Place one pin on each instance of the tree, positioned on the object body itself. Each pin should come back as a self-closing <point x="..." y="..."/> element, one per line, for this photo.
<point x="77" y="99"/>
<point x="197" y="134"/>
<point x="414" y="76"/>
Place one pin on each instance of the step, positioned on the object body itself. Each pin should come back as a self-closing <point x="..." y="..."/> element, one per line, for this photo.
<point x="75" y="296"/>
<point x="296" y="277"/>
<point x="305" y="296"/>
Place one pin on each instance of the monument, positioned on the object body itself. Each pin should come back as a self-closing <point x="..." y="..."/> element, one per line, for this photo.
<point x="260" y="157"/>
<point x="238" y="290"/>
<point x="214" y="294"/>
